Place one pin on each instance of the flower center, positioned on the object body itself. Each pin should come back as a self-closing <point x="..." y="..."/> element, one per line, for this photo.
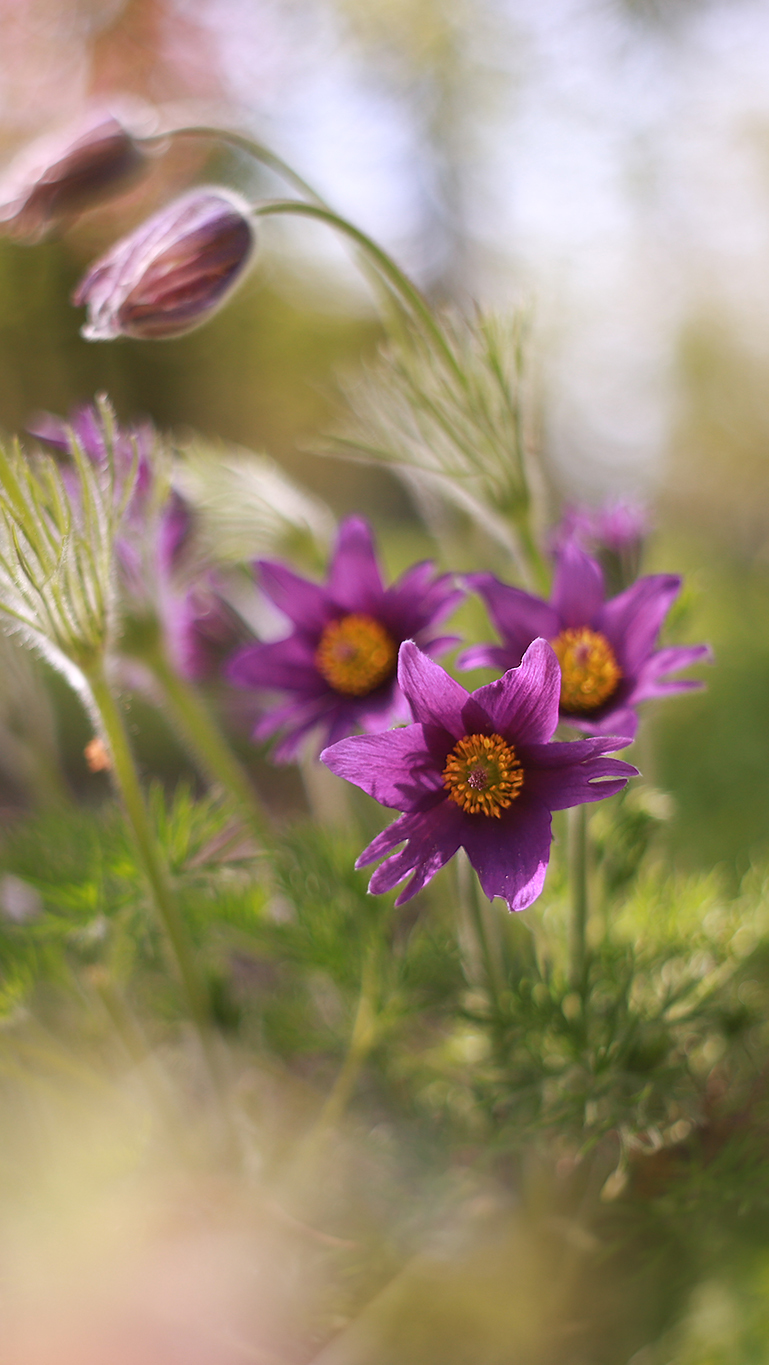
<point x="356" y="654"/>
<point x="483" y="774"/>
<point x="589" y="670"/>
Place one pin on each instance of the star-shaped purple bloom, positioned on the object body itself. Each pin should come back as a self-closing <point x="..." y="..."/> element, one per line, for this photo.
<point x="477" y="771"/>
<point x="337" y="670"/>
<point x="605" y="648"/>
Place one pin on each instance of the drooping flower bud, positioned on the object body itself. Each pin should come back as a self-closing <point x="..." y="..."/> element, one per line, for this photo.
<point x="64" y="173"/>
<point x="172" y="272"/>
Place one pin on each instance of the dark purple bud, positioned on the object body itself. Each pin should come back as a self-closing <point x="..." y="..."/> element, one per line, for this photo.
<point x="62" y="174"/>
<point x="172" y="272"/>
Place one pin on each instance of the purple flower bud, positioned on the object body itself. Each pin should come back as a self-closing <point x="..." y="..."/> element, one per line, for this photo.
<point x="60" y="175"/>
<point x="172" y="272"/>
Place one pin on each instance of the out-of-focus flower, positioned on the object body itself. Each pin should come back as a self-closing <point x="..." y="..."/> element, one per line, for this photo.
<point x="61" y="175"/>
<point x="605" y="649"/>
<point x="619" y="525"/>
<point x="337" y="669"/>
<point x="173" y="271"/>
<point x="158" y="589"/>
<point x="477" y="771"/>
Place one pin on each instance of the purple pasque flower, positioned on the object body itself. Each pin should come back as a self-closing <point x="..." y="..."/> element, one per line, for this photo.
<point x="605" y="649"/>
<point x="477" y="771"/>
<point x="173" y="271"/>
<point x="337" y="669"/>
<point x="160" y="584"/>
<point x="63" y="173"/>
<point x="619" y="525"/>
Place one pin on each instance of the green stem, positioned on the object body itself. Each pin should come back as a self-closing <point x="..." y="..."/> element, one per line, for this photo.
<point x="155" y="871"/>
<point x="578" y="872"/>
<point x="244" y="144"/>
<point x="199" y="730"/>
<point x="467" y="884"/>
<point x="410" y="296"/>
<point x="362" y="1040"/>
<point x="532" y="555"/>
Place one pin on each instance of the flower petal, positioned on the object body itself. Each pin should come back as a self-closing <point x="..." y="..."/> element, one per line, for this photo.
<point x="435" y="698"/>
<point x="286" y="664"/>
<point x="578" y="587"/>
<point x="355" y="582"/>
<point x="631" y="622"/>
<point x="574" y="783"/>
<point x="499" y="657"/>
<point x="519" y="617"/>
<point x="522" y="706"/>
<point x="651" y="682"/>
<point x="511" y="854"/>
<point x="433" y="837"/>
<point x="303" y="602"/>
<point x="395" y="767"/>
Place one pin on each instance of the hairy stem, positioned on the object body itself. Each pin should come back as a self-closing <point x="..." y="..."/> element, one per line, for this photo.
<point x="151" y="858"/>
<point x="206" y="742"/>
<point x="414" y="303"/>
<point x="243" y="143"/>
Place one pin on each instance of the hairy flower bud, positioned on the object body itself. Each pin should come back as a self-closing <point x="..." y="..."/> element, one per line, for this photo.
<point x="172" y="272"/>
<point x="60" y="175"/>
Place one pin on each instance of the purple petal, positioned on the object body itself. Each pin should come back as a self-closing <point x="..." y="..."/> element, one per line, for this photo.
<point x="285" y="664"/>
<point x="618" y="720"/>
<point x="573" y="784"/>
<point x="523" y="705"/>
<point x="519" y="617"/>
<point x="355" y="582"/>
<point x="394" y="767"/>
<point x="631" y="622"/>
<point x="488" y="656"/>
<point x="511" y="854"/>
<point x="303" y="602"/>
<point x="578" y="588"/>
<point x="650" y="681"/>
<point x="435" y="698"/>
<point x="433" y="836"/>
<point x="418" y="600"/>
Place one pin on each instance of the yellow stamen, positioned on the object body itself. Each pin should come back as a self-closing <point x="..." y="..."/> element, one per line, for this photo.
<point x="483" y="774"/>
<point x="589" y="670"/>
<point x="356" y="654"/>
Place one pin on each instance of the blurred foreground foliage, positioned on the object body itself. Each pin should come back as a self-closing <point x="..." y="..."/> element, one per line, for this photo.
<point x="616" y="1134"/>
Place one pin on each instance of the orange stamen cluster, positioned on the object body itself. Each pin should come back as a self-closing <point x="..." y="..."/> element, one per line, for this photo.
<point x="483" y="774"/>
<point x="356" y="654"/>
<point x="589" y="670"/>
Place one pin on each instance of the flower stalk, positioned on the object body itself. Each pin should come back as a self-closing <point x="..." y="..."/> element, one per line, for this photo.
<point x="206" y="742"/>
<point x="155" y="871"/>
<point x="580" y="897"/>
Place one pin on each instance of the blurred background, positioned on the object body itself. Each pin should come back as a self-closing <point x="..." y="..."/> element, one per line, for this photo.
<point x="605" y="160"/>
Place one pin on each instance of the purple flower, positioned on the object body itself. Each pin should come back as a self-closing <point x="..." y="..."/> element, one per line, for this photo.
<point x="605" y="649"/>
<point x="152" y="545"/>
<point x="477" y="771"/>
<point x="337" y="670"/>
<point x="172" y="272"/>
<point x="65" y="172"/>
<point x="619" y="526"/>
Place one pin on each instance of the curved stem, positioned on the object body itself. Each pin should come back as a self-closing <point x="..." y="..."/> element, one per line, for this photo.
<point x="413" y="301"/>
<point x="244" y="143"/>
<point x="201" y="733"/>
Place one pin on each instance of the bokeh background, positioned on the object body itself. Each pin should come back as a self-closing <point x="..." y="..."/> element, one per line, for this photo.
<point x="605" y="160"/>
